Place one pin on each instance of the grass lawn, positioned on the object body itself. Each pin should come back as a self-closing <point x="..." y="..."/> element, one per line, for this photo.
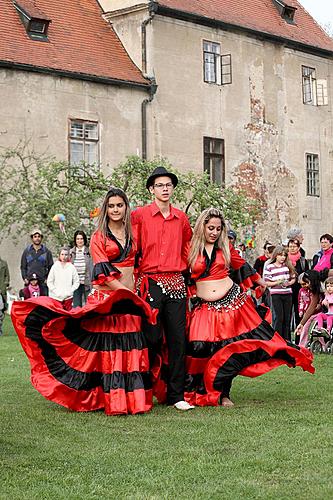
<point x="276" y="443"/>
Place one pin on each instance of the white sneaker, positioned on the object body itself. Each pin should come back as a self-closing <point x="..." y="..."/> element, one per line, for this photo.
<point x="183" y="406"/>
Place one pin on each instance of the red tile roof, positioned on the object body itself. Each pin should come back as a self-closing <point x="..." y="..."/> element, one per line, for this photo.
<point x="30" y="8"/>
<point x="258" y="15"/>
<point x="80" y="41"/>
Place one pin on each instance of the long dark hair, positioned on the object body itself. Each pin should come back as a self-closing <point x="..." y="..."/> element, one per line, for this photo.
<point x="103" y="219"/>
<point x="313" y="279"/>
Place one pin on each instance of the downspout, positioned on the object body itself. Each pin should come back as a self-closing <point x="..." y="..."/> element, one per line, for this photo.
<point x="145" y="102"/>
<point x="153" y="86"/>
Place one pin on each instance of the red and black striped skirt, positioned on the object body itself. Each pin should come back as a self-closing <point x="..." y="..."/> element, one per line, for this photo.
<point x="88" y="358"/>
<point x="231" y="337"/>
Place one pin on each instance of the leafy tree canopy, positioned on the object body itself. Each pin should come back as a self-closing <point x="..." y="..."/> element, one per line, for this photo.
<point x="35" y="187"/>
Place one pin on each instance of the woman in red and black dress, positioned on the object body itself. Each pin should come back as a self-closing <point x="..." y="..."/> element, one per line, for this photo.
<point x="94" y="357"/>
<point x="227" y="335"/>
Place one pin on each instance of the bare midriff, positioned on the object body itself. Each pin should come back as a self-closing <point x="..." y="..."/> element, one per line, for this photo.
<point x="126" y="279"/>
<point x="214" y="289"/>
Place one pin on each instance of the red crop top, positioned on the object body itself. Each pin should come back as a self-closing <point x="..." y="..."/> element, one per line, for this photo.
<point x="106" y="251"/>
<point x="215" y="268"/>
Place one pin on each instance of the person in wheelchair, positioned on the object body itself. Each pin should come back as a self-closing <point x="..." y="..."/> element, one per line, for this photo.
<point x="327" y="317"/>
<point x="311" y="280"/>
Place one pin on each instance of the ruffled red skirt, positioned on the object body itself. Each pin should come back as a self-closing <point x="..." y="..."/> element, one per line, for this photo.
<point x="88" y="358"/>
<point x="225" y="341"/>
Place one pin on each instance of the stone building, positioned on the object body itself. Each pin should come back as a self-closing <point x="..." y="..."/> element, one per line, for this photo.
<point x="243" y="90"/>
<point x="245" y="93"/>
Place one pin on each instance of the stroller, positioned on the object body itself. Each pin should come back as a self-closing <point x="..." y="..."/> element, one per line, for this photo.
<point x="320" y="340"/>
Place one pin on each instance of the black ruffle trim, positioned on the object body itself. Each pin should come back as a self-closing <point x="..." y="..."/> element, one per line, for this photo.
<point x="79" y="380"/>
<point x="195" y="383"/>
<point x="103" y="341"/>
<point x="238" y="361"/>
<point x="104" y="268"/>
<point x="82" y="381"/>
<point x="90" y="341"/>
<point x="202" y="349"/>
<point x="241" y="274"/>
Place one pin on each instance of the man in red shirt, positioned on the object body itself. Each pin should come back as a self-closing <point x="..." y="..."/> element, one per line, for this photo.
<point x="163" y="235"/>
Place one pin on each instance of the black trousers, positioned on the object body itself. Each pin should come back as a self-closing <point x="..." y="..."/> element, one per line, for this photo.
<point x="296" y="288"/>
<point x="282" y="305"/>
<point x="172" y="316"/>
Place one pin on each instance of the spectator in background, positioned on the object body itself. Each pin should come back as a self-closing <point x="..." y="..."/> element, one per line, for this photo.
<point x="63" y="280"/>
<point x="232" y="236"/>
<point x="80" y="258"/>
<point x="312" y="281"/>
<point x="4" y="284"/>
<point x="279" y="276"/>
<point x="295" y="233"/>
<point x="32" y="289"/>
<point x="324" y="258"/>
<point x="266" y="298"/>
<point x="37" y="259"/>
<point x="300" y="264"/>
<point x="328" y="303"/>
<point x="260" y="261"/>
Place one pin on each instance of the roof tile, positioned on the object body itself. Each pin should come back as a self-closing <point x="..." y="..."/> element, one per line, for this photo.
<point x="259" y="15"/>
<point x="80" y="41"/>
<point x="30" y="8"/>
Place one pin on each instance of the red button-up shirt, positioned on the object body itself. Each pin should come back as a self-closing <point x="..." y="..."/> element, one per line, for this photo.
<point x="163" y="243"/>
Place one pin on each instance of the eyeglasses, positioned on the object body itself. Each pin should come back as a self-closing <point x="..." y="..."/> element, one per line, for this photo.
<point x="168" y="185"/>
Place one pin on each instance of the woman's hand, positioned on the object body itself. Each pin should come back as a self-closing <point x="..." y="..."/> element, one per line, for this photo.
<point x="299" y="328"/>
<point x="262" y="284"/>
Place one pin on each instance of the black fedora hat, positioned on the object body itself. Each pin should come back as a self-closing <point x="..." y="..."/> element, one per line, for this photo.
<point x="161" y="172"/>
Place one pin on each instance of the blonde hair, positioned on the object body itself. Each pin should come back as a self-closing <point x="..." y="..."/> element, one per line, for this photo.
<point x="198" y="239"/>
<point x="282" y="250"/>
<point x="103" y="218"/>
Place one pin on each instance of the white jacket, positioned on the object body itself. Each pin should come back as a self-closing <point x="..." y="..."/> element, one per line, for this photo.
<point x="62" y="280"/>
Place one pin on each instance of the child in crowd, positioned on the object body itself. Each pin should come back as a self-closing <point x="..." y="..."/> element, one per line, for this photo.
<point x="327" y="302"/>
<point x="304" y="296"/>
<point x="63" y="280"/>
<point x="32" y="289"/>
<point x="279" y="276"/>
<point x="310" y="289"/>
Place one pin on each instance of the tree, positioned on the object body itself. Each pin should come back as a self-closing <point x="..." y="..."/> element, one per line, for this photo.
<point x="194" y="193"/>
<point x="36" y="187"/>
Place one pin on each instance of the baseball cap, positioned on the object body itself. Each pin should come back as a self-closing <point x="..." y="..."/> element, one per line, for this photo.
<point x="32" y="276"/>
<point x="232" y="234"/>
<point x="36" y="231"/>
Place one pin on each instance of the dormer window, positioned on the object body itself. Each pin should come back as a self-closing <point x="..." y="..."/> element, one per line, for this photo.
<point x="287" y="12"/>
<point x="34" y="20"/>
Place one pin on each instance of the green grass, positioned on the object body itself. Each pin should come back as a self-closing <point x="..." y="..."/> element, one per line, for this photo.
<point x="276" y="443"/>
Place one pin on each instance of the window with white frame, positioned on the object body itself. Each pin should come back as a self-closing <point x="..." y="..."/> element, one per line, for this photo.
<point x="214" y="161"/>
<point x="217" y="67"/>
<point x="322" y="94"/>
<point x="312" y="175"/>
<point x="83" y="142"/>
<point x="314" y="91"/>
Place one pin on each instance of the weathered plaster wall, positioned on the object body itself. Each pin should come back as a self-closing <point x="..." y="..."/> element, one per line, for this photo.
<point x="37" y="108"/>
<point x="261" y="116"/>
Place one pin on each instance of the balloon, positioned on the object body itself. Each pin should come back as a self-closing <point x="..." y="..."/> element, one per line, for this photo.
<point x="59" y="218"/>
<point x="95" y="212"/>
